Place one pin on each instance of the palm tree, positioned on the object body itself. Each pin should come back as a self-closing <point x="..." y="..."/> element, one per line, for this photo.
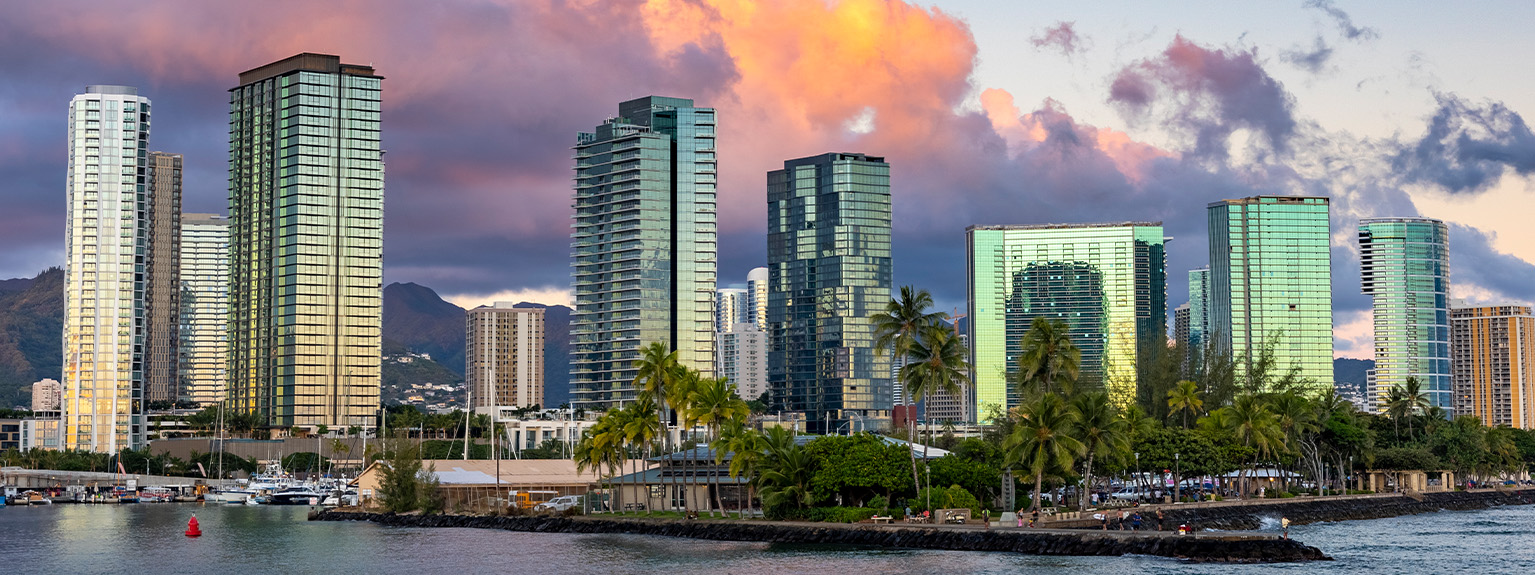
<point x="745" y="447"/>
<point x="786" y="477"/>
<point x="1044" y="438"/>
<point x="1184" y="397"/>
<point x="938" y="363"/>
<point x="713" y="403"/>
<point x="639" y="425"/>
<point x="599" y="449"/>
<point x="1049" y="359"/>
<point x="658" y="372"/>
<point x="1406" y="401"/>
<point x="897" y="329"/>
<point x="1250" y="420"/>
<point x="1102" y="432"/>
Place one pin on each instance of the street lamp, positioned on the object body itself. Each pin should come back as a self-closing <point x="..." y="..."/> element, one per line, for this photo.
<point x="1177" y="478"/>
<point x="1136" y="477"/>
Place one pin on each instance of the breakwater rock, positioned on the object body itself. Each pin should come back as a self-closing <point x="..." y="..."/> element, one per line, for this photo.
<point x="1301" y="510"/>
<point x="1204" y="547"/>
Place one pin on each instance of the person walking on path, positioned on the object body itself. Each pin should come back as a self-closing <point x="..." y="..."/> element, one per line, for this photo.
<point x="1160" y="519"/>
<point x="986" y="518"/>
<point x="1020" y="517"/>
<point x="1284" y="523"/>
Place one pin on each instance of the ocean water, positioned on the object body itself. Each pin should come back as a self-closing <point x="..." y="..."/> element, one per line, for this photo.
<point x="147" y="538"/>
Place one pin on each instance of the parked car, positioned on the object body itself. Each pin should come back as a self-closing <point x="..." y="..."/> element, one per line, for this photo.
<point x="1130" y="494"/>
<point x="561" y="503"/>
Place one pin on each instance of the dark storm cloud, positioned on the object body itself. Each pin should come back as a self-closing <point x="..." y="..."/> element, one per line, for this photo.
<point x="1468" y="147"/>
<point x="1506" y="277"/>
<point x="1344" y="22"/>
<point x="1206" y="94"/>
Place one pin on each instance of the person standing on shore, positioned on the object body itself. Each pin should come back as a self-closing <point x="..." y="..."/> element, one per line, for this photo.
<point x="986" y="518"/>
<point x="1284" y="523"/>
<point x="1034" y="517"/>
<point x="1160" y="519"/>
<point x="1020" y="516"/>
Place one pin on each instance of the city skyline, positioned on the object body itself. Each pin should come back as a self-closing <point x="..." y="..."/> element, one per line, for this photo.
<point x="965" y="101"/>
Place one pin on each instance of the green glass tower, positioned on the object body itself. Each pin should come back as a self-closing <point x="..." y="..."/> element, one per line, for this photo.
<point x="829" y="269"/>
<point x="1108" y="282"/>
<point x="1271" y="279"/>
<point x="1404" y="265"/>
<point x="306" y="215"/>
<point x="644" y="246"/>
<point x="1199" y="309"/>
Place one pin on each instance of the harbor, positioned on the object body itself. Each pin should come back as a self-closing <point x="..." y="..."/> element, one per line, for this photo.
<point x="272" y="487"/>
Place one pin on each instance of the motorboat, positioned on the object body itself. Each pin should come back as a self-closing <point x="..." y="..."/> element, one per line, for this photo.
<point x="36" y="498"/>
<point x="156" y="495"/>
<point x="297" y="495"/>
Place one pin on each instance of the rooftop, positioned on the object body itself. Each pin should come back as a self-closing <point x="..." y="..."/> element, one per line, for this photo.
<point x="1066" y="226"/>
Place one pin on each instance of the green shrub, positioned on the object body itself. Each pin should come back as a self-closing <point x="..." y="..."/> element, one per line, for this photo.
<point x="879" y="502"/>
<point x="954" y="497"/>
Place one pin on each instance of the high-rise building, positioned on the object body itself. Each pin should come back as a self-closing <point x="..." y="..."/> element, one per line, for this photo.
<point x="1107" y="282"/>
<point x="162" y="283"/>
<point x="829" y="269"/>
<point x="1493" y="354"/>
<point x="644" y="246"/>
<point x="306" y="222"/>
<point x="204" y="307"/>
<point x="730" y="308"/>
<point x="1199" y="309"/>
<point x="106" y="244"/>
<point x="757" y="294"/>
<point x="1271" y="281"/>
<point x="46" y="395"/>
<point x="1181" y="325"/>
<point x="743" y="353"/>
<point x="940" y="406"/>
<point x="504" y="356"/>
<point x="1404" y="265"/>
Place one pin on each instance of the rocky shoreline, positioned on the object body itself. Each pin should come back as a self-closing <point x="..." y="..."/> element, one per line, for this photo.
<point x="1303" y="510"/>
<point x="1204" y="547"/>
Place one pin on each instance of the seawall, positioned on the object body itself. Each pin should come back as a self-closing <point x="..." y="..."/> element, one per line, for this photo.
<point x="1203" y="547"/>
<point x="1237" y="515"/>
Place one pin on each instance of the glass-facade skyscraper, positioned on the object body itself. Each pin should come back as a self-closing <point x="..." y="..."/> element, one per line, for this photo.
<point x="644" y="246"/>
<point x="1404" y="266"/>
<point x="106" y="246"/>
<point x="1199" y="309"/>
<point x="306" y="222"/>
<point x="1271" y="277"/>
<point x="829" y="269"/>
<point x="1108" y="282"/>
<point x="204" y="307"/>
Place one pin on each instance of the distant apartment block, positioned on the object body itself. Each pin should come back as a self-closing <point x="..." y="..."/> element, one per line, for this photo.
<point x="47" y="395"/>
<point x="743" y="356"/>
<point x="204" y="308"/>
<point x="504" y="356"/>
<point x="162" y="282"/>
<point x="1493" y="361"/>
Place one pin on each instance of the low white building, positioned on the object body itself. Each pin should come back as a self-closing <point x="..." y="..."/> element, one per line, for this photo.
<point x="522" y="432"/>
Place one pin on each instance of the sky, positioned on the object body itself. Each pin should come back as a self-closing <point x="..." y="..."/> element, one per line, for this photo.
<point x="989" y="113"/>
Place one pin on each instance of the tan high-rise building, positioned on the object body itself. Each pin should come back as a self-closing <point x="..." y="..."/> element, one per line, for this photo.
<point x="46" y="395"/>
<point x="504" y="355"/>
<point x="1492" y="352"/>
<point x="162" y="279"/>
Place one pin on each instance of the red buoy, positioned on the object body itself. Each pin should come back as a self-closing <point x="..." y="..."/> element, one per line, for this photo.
<point x="192" y="530"/>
